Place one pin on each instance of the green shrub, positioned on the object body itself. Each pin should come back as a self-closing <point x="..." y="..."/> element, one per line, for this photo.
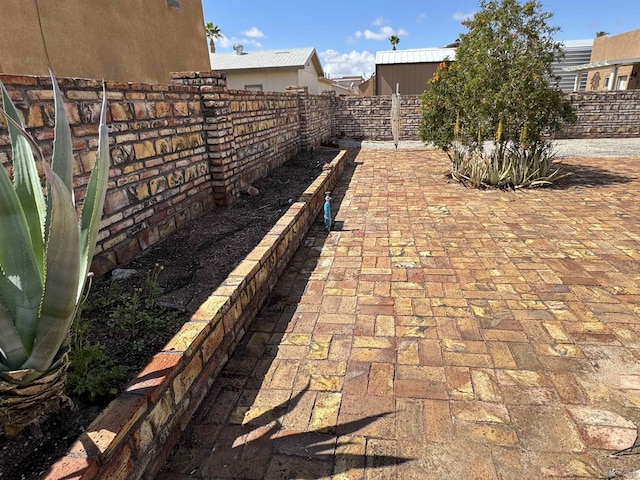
<point x="500" y="88"/>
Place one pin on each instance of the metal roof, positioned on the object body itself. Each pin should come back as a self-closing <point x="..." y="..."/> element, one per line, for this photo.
<point x="286" y="58"/>
<point x="418" y="55"/>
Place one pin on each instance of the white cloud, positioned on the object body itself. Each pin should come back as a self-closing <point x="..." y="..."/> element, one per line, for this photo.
<point x="337" y="64"/>
<point x="421" y="18"/>
<point x="378" y="22"/>
<point x="228" y="43"/>
<point x="253" y="32"/>
<point x="463" y="16"/>
<point x="383" y="33"/>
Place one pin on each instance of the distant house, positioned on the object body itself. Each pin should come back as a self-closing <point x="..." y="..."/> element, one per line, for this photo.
<point x="614" y="63"/>
<point x="576" y="52"/>
<point x="410" y="69"/>
<point x="350" y="82"/>
<point x="269" y="70"/>
<point x="328" y="85"/>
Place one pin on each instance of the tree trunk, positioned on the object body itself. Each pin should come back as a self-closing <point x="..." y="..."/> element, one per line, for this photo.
<point x="212" y="45"/>
<point x="24" y="402"/>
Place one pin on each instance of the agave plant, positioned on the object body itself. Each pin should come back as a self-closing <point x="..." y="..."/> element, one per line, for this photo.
<point x="45" y="256"/>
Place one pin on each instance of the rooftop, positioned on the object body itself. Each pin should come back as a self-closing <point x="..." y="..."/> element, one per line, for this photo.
<point x="418" y="55"/>
<point x="284" y="58"/>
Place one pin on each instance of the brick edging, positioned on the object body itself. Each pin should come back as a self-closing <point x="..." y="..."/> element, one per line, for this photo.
<point x="133" y="436"/>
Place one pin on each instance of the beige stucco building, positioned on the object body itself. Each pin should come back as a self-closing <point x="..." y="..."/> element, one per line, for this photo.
<point x="270" y="70"/>
<point x="123" y="40"/>
<point x="615" y="63"/>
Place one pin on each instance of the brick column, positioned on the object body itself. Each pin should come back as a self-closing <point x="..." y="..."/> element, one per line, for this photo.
<point x="218" y="129"/>
<point x="303" y="106"/>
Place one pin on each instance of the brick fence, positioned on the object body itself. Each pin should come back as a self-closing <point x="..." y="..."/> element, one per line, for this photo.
<point x="600" y="115"/>
<point x="179" y="150"/>
<point x="176" y="150"/>
<point x="369" y="118"/>
<point x="605" y="115"/>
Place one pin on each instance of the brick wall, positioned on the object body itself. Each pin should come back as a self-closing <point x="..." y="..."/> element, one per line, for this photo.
<point x="369" y="118"/>
<point x="605" y="115"/>
<point x="315" y="116"/>
<point x="159" y="176"/>
<point x="600" y="115"/>
<point x="176" y="150"/>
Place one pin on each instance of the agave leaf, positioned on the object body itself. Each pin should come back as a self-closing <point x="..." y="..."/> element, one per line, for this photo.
<point x="62" y="264"/>
<point x="62" y="162"/>
<point x="26" y="180"/>
<point x="94" y="199"/>
<point x="12" y="353"/>
<point x="22" y="290"/>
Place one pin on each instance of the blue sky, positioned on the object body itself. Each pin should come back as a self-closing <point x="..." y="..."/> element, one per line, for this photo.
<point x="347" y="33"/>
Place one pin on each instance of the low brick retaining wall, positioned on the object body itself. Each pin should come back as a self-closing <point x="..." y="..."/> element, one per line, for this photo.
<point x="133" y="436"/>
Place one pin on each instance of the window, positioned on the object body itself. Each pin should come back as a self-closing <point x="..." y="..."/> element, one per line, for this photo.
<point x="606" y="83"/>
<point x="622" y="82"/>
<point x="255" y="88"/>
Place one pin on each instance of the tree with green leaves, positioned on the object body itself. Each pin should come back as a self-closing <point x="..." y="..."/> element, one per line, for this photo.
<point x="212" y="32"/>
<point x="501" y="88"/>
<point x="602" y="33"/>
<point x="394" y="40"/>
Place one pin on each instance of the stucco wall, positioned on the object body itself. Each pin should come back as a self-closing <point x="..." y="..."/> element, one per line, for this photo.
<point x="122" y="40"/>
<point x="270" y="80"/>
<point x="308" y="76"/>
<point x="616" y="47"/>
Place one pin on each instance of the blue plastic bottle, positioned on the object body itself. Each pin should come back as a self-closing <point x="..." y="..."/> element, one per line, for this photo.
<point x="327" y="211"/>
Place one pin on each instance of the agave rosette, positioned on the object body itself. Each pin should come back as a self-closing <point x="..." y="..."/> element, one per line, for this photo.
<point x="45" y="250"/>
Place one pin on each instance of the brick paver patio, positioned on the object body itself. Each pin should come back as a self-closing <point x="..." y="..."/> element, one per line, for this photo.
<point x="441" y="333"/>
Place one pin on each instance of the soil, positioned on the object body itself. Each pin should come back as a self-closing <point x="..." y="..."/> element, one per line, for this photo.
<point x="194" y="261"/>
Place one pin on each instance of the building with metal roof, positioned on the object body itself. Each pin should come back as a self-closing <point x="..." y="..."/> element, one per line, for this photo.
<point x="410" y="69"/>
<point x="269" y="70"/>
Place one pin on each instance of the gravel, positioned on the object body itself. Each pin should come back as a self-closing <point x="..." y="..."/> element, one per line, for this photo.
<point x="593" y="148"/>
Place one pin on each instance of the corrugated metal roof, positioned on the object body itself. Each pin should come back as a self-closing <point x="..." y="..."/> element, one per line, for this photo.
<point x="289" y="58"/>
<point x="418" y="55"/>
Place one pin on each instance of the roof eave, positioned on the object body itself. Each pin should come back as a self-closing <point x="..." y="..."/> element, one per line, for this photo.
<point x="601" y="64"/>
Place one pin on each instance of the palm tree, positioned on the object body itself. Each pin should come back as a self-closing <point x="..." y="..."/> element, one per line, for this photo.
<point x="212" y="31"/>
<point x="395" y="40"/>
<point x="601" y="34"/>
